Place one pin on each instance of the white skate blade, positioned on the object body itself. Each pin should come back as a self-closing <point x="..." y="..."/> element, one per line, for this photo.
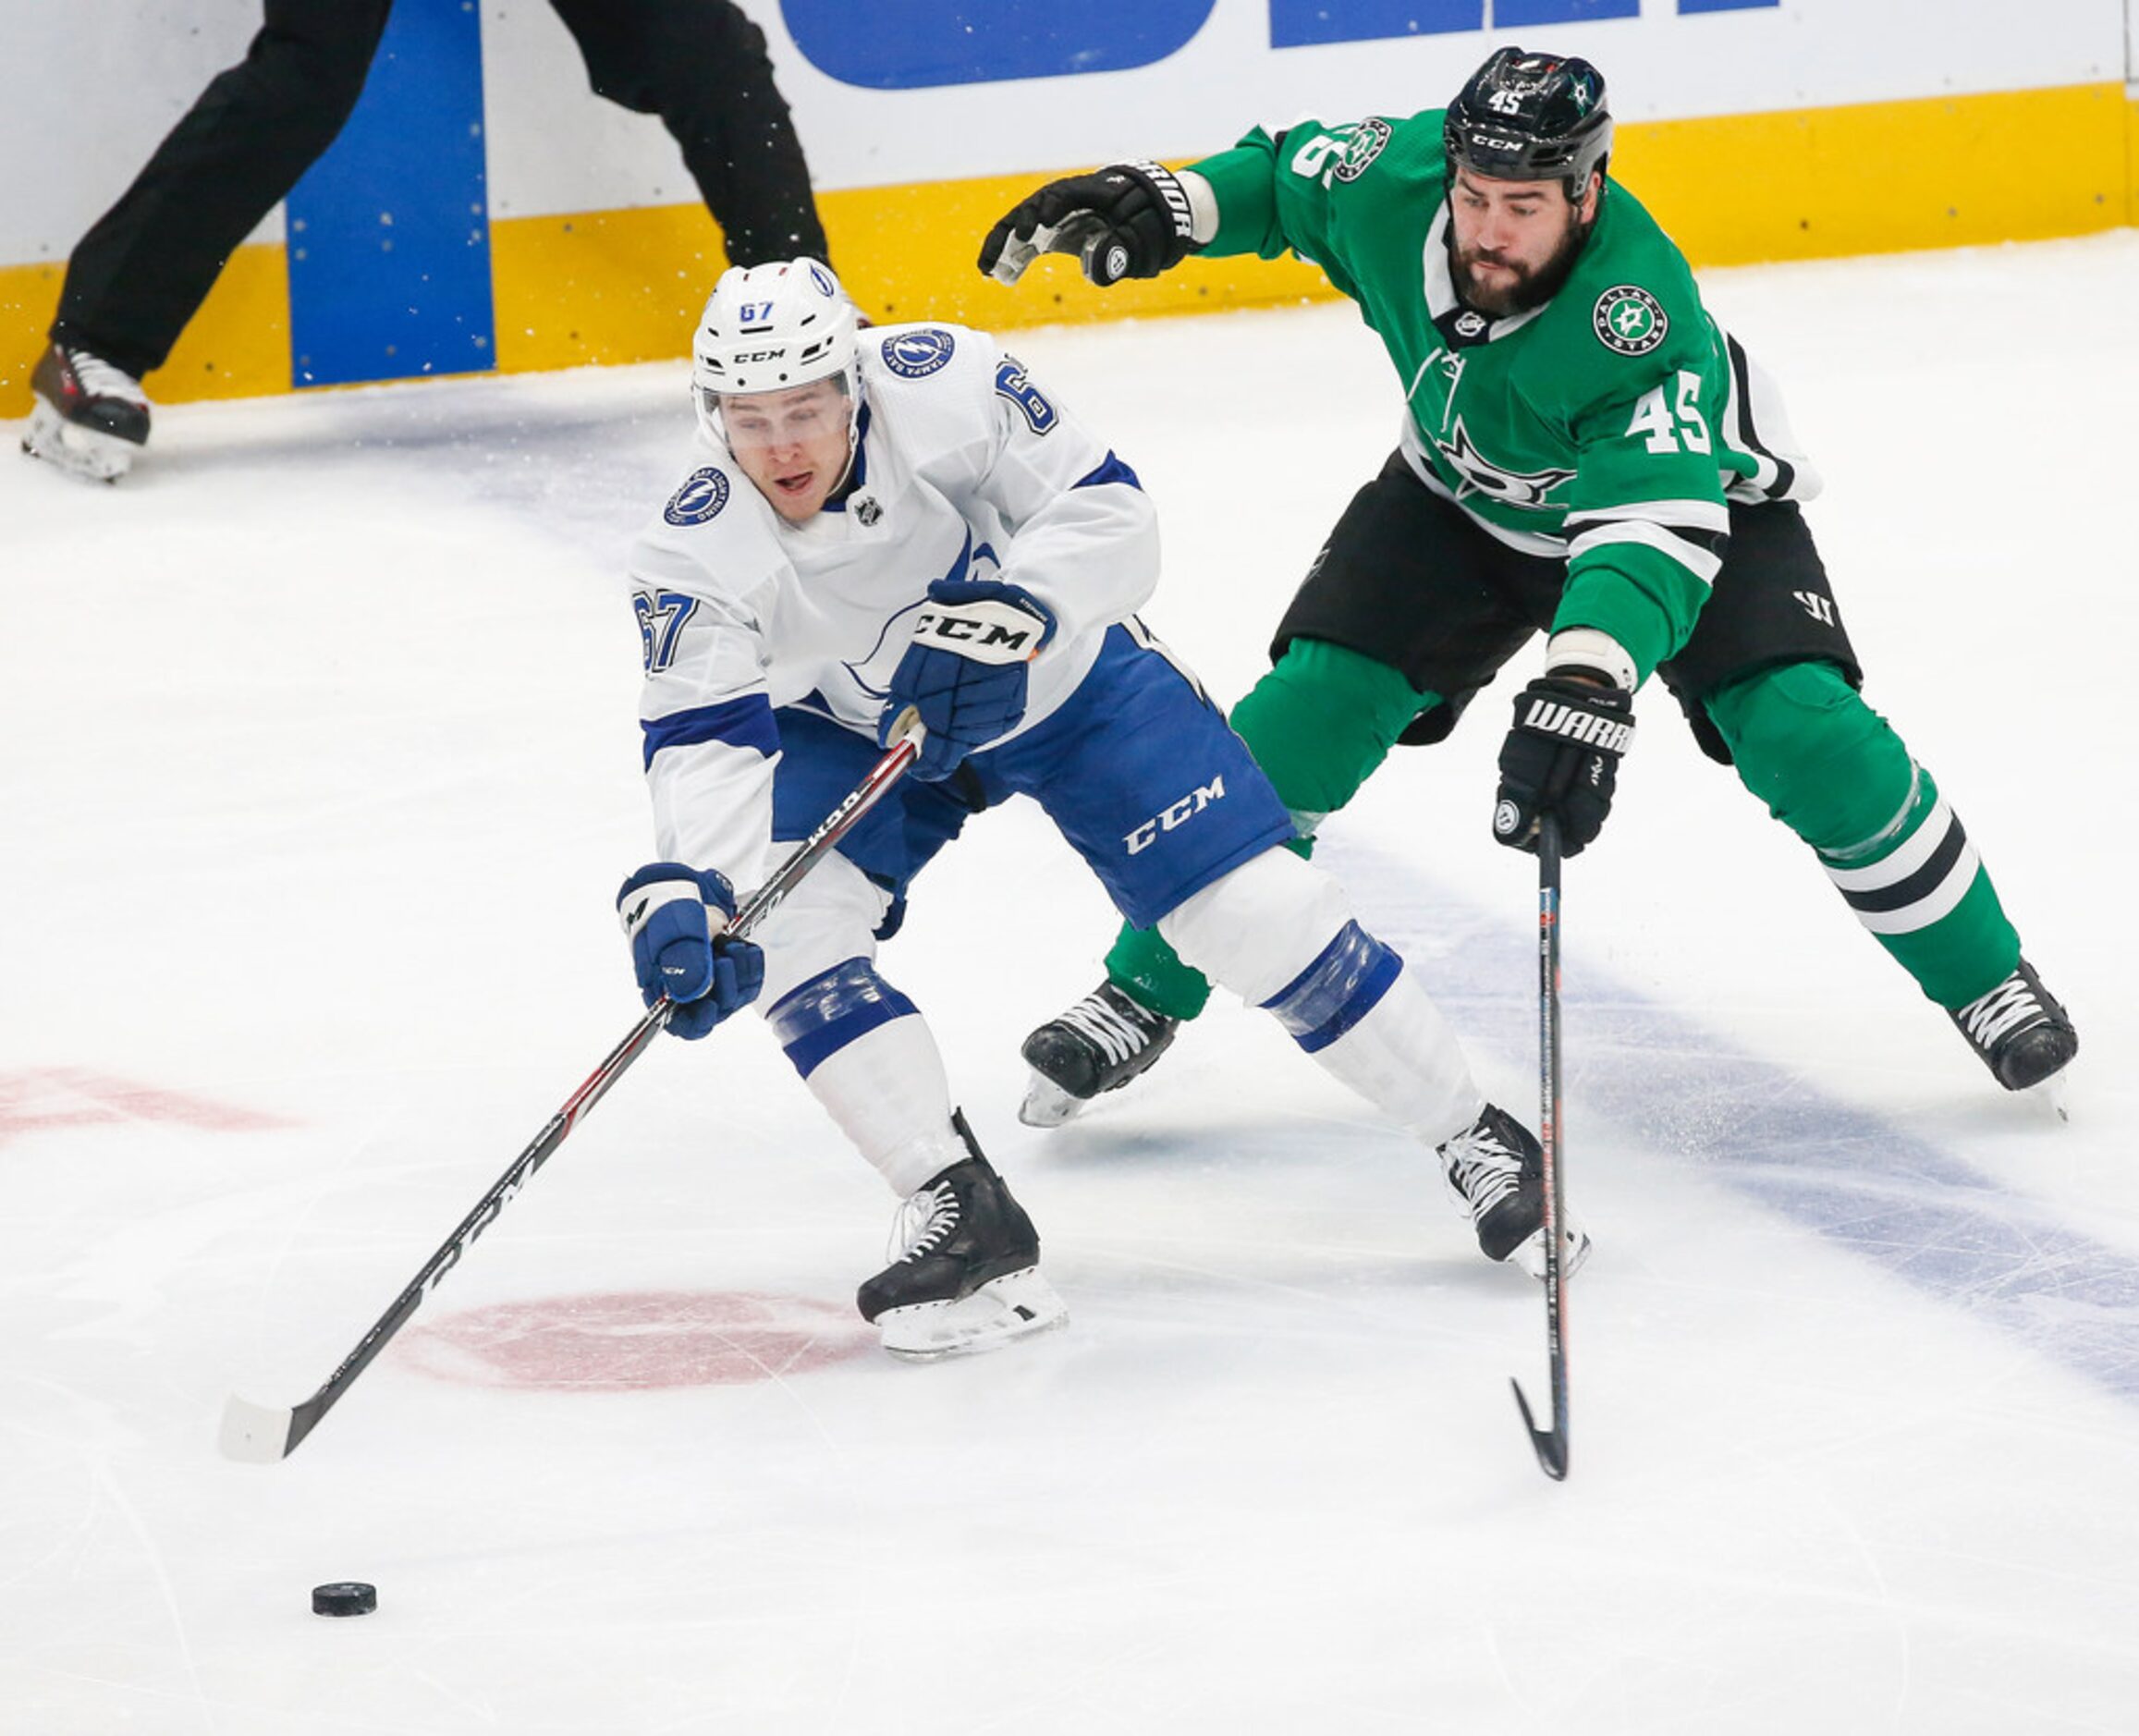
<point x="1047" y="1104"/>
<point x="85" y="452"/>
<point x="1530" y="1256"/>
<point x="2051" y="1094"/>
<point x="1012" y="1306"/>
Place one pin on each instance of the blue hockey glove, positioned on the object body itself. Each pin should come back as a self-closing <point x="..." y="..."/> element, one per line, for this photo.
<point x="1561" y="758"/>
<point x="674" y="916"/>
<point x="965" y="670"/>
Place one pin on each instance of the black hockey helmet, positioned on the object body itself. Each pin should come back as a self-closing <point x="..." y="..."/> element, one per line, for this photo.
<point x="1530" y="118"/>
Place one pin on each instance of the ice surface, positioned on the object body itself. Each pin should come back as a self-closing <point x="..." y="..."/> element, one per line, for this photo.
<point x="321" y="769"/>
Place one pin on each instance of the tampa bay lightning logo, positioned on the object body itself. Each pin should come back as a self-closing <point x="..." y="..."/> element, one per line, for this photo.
<point x="823" y="279"/>
<point x="913" y="354"/>
<point x="703" y="494"/>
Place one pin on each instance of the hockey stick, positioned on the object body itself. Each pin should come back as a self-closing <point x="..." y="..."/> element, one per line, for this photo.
<point x="263" y="1434"/>
<point x="1550" y="1444"/>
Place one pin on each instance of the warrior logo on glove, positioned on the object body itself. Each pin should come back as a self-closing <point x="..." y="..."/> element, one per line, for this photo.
<point x="1553" y="717"/>
<point x="1561" y="757"/>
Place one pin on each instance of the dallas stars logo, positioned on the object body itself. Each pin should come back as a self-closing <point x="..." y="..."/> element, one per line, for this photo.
<point x="1366" y="144"/>
<point x="1526" y="489"/>
<point x="1630" y="320"/>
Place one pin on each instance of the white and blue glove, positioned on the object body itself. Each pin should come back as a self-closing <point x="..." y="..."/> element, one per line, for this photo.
<point x="965" y="671"/>
<point x="675" y="918"/>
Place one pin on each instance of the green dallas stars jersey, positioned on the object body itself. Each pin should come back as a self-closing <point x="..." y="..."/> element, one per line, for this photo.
<point x="1608" y="427"/>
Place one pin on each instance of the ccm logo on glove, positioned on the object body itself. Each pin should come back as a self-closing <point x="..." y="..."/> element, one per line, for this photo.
<point x="988" y="629"/>
<point x="965" y="672"/>
<point x="675" y="918"/>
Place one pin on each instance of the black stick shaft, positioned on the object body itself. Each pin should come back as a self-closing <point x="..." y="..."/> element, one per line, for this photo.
<point x="305" y="1417"/>
<point x="1551" y="1444"/>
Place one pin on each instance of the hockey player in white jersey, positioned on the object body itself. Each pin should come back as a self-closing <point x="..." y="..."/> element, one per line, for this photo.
<point x="902" y="518"/>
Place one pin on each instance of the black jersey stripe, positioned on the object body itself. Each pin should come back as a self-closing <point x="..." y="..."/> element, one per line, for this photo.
<point x="1611" y="543"/>
<point x="1913" y="889"/>
<point x="1711" y="542"/>
<point x="1748" y="436"/>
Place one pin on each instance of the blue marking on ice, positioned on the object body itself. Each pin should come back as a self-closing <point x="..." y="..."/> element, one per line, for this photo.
<point x="1851" y="1176"/>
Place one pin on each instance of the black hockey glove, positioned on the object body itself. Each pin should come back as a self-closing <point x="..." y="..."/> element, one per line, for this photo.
<point x="1562" y="758"/>
<point x="1128" y="220"/>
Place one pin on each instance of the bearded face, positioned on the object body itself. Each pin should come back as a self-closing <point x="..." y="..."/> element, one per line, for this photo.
<point x="1513" y="243"/>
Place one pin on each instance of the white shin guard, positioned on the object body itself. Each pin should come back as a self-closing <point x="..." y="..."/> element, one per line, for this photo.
<point x="1403" y="1059"/>
<point x="1279" y="931"/>
<point x="862" y="1047"/>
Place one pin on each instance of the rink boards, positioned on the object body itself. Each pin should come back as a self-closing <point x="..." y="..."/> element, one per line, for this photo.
<point x="482" y="212"/>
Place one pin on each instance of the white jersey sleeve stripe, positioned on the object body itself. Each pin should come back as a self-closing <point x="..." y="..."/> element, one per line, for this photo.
<point x="1755" y="425"/>
<point x="1694" y="515"/>
<point x="1703" y="563"/>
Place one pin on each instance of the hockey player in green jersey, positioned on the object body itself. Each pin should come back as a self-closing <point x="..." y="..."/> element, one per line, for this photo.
<point x="1586" y="453"/>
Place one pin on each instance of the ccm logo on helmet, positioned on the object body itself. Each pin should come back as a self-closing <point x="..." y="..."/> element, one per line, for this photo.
<point x="760" y="355"/>
<point x="1175" y="813"/>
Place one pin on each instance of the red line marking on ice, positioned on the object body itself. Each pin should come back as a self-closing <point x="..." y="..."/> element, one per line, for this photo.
<point x="41" y="1097"/>
<point x="636" y="1342"/>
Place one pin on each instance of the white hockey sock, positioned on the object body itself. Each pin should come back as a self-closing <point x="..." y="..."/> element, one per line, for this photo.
<point x="870" y="1059"/>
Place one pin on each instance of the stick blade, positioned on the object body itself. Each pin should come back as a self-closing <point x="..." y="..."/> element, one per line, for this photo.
<point x="1550" y="1444"/>
<point x="256" y="1434"/>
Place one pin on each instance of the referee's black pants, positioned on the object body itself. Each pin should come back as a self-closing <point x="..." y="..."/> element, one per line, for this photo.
<point x="142" y="271"/>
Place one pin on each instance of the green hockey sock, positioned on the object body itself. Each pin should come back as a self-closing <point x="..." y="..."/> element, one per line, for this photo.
<point x="1322" y="722"/>
<point x="1832" y="769"/>
<point x="1318" y="725"/>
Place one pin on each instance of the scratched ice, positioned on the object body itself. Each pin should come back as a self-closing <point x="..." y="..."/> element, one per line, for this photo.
<point x="322" y="767"/>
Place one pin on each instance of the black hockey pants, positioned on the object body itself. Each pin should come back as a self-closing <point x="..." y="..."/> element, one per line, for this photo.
<point x="144" y="270"/>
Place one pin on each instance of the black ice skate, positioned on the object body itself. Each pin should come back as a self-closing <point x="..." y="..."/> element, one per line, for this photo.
<point x="2019" y="1028"/>
<point x="965" y="1267"/>
<point x="1496" y="1170"/>
<point x="1101" y="1044"/>
<point x="86" y="416"/>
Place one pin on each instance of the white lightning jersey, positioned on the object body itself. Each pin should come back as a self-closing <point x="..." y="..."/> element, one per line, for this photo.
<point x="964" y="469"/>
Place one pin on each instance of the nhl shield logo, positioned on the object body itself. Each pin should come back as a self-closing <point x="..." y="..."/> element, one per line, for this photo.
<point x="1630" y="320"/>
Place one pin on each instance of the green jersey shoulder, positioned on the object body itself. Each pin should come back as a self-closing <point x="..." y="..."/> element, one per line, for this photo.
<point x="1609" y="425"/>
<point x="1367" y="201"/>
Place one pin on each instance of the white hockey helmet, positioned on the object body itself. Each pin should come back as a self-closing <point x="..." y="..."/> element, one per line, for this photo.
<point x="770" y="328"/>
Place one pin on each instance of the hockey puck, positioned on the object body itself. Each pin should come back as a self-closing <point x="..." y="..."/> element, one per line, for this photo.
<point x="345" y="1597"/>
